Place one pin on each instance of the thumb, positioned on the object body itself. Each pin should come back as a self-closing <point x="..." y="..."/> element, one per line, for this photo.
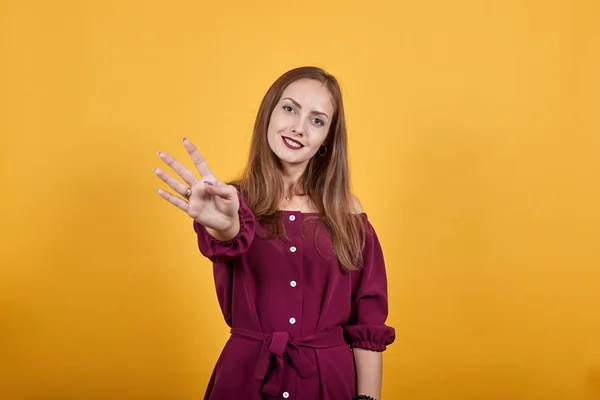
<point x="220" y="189"/>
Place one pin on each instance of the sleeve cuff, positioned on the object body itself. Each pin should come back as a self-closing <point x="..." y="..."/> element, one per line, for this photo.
<point x="369" y="337"/>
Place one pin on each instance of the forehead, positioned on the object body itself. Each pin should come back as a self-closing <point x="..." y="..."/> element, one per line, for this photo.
<point x="311" y="94"/>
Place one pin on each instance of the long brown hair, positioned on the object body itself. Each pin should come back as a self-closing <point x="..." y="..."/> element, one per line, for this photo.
<point x="326" y="179"/>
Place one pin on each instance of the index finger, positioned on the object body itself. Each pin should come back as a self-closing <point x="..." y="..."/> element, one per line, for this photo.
<point x="197" y="158"/>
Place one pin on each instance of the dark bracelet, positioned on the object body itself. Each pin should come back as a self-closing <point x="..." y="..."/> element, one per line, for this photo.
<point x="362" y="397"/>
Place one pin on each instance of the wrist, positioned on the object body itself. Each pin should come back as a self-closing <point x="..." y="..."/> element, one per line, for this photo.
<point x="227" y="234"/>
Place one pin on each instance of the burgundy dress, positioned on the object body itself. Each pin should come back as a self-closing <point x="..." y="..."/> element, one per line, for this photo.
<point x="295" y="314"/>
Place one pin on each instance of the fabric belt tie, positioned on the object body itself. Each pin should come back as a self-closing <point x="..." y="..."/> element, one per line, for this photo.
<point x="278" y="345"/>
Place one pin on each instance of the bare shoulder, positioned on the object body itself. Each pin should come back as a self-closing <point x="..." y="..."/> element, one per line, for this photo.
<point x="356" y="206"/>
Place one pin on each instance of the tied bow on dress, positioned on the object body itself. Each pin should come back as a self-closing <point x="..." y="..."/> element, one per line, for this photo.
<point x="279" y="347"/>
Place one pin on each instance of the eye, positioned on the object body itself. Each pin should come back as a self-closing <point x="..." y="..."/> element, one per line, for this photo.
<point x="319" y="121"/>
<point x="288" y="108"/>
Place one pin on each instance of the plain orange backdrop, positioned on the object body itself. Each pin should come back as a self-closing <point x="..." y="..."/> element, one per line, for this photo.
<point x="474" y="141"/>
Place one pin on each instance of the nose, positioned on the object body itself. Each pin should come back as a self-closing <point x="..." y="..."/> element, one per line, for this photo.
<point x="298" y="128"/>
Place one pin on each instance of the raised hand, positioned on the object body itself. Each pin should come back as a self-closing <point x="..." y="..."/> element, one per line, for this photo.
<point x="209" y="201"/>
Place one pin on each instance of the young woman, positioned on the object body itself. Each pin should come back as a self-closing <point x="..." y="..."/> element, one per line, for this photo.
<point x="298" y="269"/>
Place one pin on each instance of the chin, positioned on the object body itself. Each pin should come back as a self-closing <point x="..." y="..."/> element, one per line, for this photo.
<point x="292" y="160"/>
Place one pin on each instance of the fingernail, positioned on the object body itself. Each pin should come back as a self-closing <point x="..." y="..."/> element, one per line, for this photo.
<point x="208" y="183"/>
<point x="159" y="153"/>
<point x="155" y="169"/>
<point x="184" y="139"/>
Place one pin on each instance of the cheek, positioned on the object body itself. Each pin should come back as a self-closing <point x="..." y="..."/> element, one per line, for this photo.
<point x="319" y="136"/>
<point x="275" y="124"/>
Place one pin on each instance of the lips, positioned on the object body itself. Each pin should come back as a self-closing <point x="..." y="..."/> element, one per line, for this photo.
<point x="291" y="143"/>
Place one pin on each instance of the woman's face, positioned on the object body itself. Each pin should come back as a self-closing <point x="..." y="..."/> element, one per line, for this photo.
<point x="299" y="122"/>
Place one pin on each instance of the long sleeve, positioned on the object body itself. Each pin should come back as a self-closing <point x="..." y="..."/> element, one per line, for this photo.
<point x="220" y="251"/>
<point x="366" y="327"/>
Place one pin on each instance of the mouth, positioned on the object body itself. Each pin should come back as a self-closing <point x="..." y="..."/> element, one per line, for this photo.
<point x="291" y="143"/>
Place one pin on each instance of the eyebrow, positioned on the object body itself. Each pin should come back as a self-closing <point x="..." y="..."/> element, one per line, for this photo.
<point x="300" y="107"/>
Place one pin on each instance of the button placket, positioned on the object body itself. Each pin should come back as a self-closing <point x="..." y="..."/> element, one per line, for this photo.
<point x="295" y="227"/>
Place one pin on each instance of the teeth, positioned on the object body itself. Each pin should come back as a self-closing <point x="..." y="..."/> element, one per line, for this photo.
<point x="292" y="143"/>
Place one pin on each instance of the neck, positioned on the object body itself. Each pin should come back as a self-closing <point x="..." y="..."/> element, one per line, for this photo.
<point x="291" y="174"/>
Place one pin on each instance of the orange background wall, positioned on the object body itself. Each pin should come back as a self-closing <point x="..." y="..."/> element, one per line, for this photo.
<point x="474" y="149"/>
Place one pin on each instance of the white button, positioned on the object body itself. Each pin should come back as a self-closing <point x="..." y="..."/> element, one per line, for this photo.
<point x="292" y="320"/>
<point x="292" y="218"/>
<point x="293" y="249"/>
<point x="293" y="283"/>
<point x="286" y="395"/>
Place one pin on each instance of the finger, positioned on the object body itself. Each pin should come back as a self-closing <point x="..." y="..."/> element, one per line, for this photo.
<point x="199" y="161"/>
<point x="176" y="201"/>
<point x="220" y="189"/>
<point x="178" y="167"/>
<point x="177" y="186"/>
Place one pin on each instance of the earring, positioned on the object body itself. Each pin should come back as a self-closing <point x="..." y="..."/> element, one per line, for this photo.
<point x="321" y="151"/>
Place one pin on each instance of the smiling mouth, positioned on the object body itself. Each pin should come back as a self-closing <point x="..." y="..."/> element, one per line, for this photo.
<point x="291" y="143"/>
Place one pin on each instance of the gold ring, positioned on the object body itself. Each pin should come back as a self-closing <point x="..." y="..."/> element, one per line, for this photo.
<point x="187" y="194"/>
